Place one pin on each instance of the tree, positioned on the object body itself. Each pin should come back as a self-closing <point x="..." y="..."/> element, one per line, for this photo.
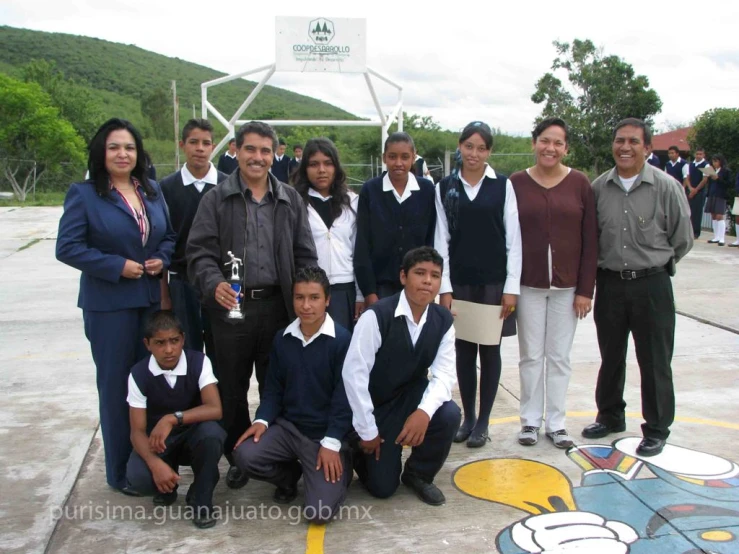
<point x="74" y="101"/>
<point x="717" y="131"/>
<point x="32" y="130"/>
<point x="156" y="104"/>
<point x="602" y="91"/>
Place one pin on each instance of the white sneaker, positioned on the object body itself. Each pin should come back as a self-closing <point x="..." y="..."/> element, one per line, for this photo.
<point x="528" y="436"/>
<point x="561" y="439"/>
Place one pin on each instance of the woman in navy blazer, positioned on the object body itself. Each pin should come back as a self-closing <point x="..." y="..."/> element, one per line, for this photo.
<point x="115" y="229"/>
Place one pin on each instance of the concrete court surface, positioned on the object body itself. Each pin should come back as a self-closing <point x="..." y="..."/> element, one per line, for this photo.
<point x="53" y="496"/>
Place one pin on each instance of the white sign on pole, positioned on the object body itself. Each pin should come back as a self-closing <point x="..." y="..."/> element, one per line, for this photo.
<point x="321" y="44"/>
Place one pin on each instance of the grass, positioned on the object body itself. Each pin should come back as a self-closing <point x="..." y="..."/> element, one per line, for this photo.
<point x="54" y="198"/>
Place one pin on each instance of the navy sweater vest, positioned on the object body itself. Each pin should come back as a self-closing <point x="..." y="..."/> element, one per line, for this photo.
<point x="161" y="399"/>
<point x="676" y="171"/>
<point x="696" y="176"/>
<point x="281" y="169"/>
<point x="386" y="230"/>
<point x="477" y="248"/>
<point x="304" y="385"/>
<point x="183" y="202"/>
<point x="400" y="368"/>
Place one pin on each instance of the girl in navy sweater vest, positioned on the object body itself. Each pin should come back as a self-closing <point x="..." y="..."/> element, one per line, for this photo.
<point x="332" y="215"/>
<point x="396" y="214"/>
<point x="479" y="236"/>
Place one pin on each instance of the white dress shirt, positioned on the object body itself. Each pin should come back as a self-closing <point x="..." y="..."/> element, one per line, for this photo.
<point x="136" y="398"/>
<point x="686" y="167"/>
<point x="360" y="359"/>
<point x="411" y="186"/>
<point x="512" y="234"/>
<point x="328" y="328"/>
<point x="210" y="178"/>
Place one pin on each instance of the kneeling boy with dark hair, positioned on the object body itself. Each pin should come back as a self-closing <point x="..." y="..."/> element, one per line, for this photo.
<point x="174" y="409"/>
<point x="304" y="414"/>
<point x="396" y="343"/>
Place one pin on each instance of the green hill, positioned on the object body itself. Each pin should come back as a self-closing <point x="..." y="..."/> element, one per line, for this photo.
<point x="119" y="75"/>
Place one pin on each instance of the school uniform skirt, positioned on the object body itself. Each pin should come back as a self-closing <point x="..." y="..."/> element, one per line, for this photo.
<point x="485" y="294"/>
<point x="715" y="205"/>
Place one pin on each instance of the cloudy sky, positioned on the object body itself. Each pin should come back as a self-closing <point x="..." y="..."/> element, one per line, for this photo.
<point x="458" y="62"/>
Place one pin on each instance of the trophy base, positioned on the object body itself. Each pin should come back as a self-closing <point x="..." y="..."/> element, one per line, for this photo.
<point x="235" y="314"/>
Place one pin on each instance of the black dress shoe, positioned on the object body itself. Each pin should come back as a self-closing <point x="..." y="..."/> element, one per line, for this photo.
<point x="599" y="430"/>
<point x="478" y="439"/>
<point x="463" y="432"/>
<point x="650" y="446"/>
<point x="427" y="492"/>
<point x="165" y="498"/>
<point x="128" y="491"/>
<point x="235" y="478"/>
<point x="203" y="517"/>
<point x="285" y="495"/>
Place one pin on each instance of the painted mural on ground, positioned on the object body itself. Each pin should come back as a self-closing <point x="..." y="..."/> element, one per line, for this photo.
<point x="688" y="505"/>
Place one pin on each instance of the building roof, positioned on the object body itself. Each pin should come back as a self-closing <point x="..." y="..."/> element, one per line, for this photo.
<point x="678" y="137"/>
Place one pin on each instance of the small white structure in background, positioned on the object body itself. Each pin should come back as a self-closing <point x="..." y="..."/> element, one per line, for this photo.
<point x="313" y="44"/>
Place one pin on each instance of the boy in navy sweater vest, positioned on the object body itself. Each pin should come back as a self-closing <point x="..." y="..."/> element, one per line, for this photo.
<point x="304" y="414"/>
<point x="183" y="191"/>
<point x="396" y="343"/>
<point x="174" y="409"/>
<point x="396" y="213"/>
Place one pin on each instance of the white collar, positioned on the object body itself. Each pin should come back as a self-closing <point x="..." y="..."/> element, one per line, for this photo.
<point x="410" y="186"/>
<point x="696" y="162"/>
<point x="278" y="158"/>
<point x="489" y="172"/>
<point x="180" y="369"/>
<point x="679" y="159"/>
<point x="404" y="308"/>
<point x="230" y="155"/>
<point x="211" y="177"/>
<point x="328" y="328"/>
<point x="315" y="194"/>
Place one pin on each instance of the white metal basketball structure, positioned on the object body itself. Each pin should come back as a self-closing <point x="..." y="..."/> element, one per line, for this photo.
<point x="383" y="121"/>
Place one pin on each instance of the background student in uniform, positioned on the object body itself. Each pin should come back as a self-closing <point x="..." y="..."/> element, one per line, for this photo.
<point x="183" y="191"/>
<point x="332" y="214"/>
<point x="479" y="237"/>
<point x="228" y="163"/>
<point x="174" y="409"/>
<point x="397" y="343"/>
<point x="304" y="415"/>
<point x="559" y="234"/>
<point x="115" y="229"/>
<point x="281" y="164"/>
<point x="292" y="168"/>
<point x="395" y="214"/>
<point x="718" y="191"/>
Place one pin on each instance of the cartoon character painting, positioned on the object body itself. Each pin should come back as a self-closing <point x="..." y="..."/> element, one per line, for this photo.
<point x="688" y="505"/>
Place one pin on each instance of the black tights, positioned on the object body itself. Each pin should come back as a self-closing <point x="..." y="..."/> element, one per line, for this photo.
<point x="490" y="365"/>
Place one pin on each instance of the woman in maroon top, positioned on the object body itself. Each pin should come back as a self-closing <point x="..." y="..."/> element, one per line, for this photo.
<point x="559" y="235"/>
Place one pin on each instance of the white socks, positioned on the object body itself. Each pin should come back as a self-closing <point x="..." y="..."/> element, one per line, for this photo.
<point x="721" y="230"/>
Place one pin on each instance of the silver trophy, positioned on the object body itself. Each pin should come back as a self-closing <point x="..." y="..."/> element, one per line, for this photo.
<point x="235" y="282"/>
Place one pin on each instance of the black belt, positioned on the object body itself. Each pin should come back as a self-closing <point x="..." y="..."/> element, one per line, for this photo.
<point x="261" y="293"/>
<point x="630" y="275"/>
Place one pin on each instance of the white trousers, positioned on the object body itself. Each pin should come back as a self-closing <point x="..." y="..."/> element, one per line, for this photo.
<point x="546" y="329"/>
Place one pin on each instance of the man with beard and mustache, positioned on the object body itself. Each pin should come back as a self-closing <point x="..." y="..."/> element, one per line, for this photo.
<point x="263" y="222"/>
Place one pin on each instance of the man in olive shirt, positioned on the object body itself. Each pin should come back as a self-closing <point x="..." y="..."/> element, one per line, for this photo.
<point x="643" y="230"/>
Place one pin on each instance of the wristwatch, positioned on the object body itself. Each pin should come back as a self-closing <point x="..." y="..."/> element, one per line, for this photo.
<point x="179" y="416"/>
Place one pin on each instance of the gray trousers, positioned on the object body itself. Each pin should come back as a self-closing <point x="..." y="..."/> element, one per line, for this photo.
<point x="274" y="457"/>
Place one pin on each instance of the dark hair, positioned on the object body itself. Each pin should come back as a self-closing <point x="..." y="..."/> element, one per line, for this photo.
<point x="675" y="148"/>
<point x="282" y="142"/>
<point x="231" y="140"/>
<point x="634" y="122"/>
<point x="721" y="159"/>
<point x="482" y="129"/>
<point x="339" y="190"/>
<point x="699" y="149"/>
<point x="197" y="123"/>
<point x="297" y="146"/>
<point x="419" y="255"/>
<point x="397" y="137"/>
<point x="162" y="320"/>
<point x="544" y="124"/>
<point x="96" y="158"/>
<point x="258" y="128"/>
<point x="313" y="274"/>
